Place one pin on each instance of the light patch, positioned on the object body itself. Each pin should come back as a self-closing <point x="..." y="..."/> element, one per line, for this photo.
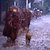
<point x="38" y="10"/>
<point x="14" y="10"/>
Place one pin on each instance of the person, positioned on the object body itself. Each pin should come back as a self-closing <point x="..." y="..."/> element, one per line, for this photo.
<point x="28" y="38"/>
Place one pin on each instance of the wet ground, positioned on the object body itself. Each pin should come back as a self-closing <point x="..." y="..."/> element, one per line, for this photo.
<point x="40" y="40"/>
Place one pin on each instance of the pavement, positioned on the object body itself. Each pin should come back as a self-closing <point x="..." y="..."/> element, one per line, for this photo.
<point x="40" y="40"/>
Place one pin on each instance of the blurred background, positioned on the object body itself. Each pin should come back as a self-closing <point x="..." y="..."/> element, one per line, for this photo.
<point x="40" y="4"/>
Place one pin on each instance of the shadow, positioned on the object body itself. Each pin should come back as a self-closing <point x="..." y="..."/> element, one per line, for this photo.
<point x="9" y="44"/>
<point x="28" y="45"/>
